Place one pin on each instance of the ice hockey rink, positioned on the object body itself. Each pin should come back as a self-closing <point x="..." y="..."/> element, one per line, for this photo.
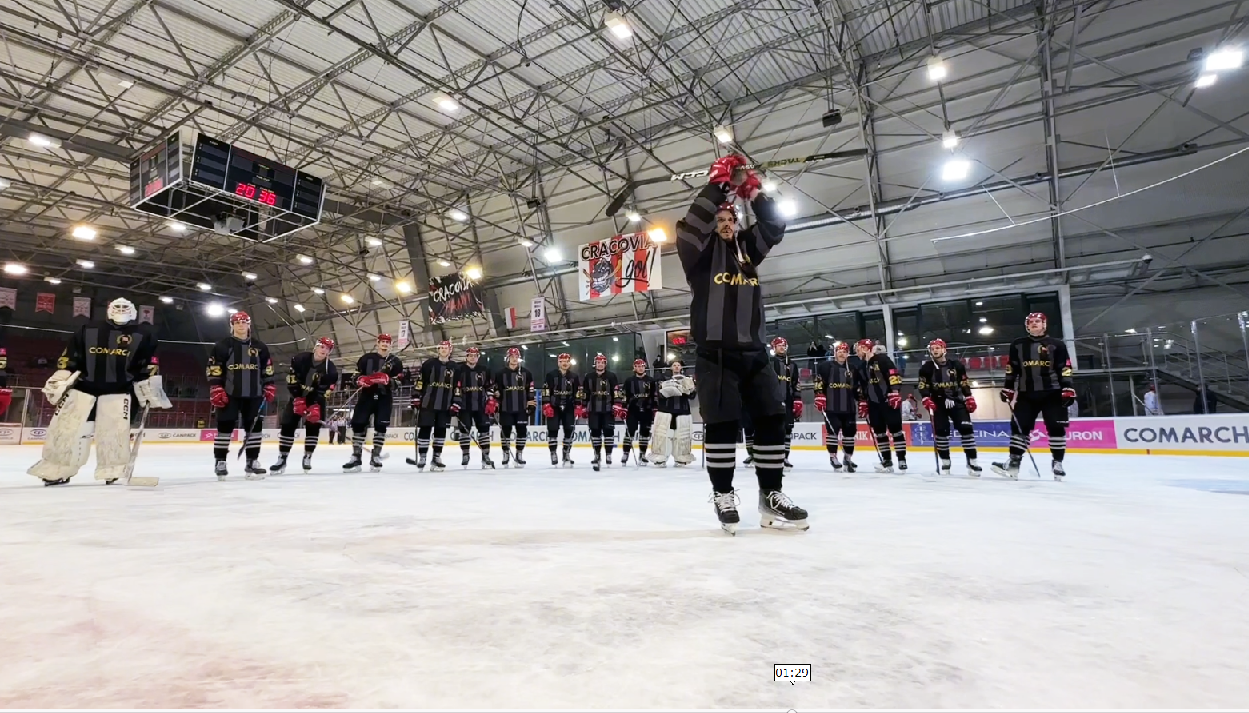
<point x="1125" y="586"/>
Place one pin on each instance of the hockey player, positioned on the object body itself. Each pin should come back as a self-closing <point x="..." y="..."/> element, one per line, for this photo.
<point x="836" y="388"/>
<point x="514" y="393"/>
<point x="946" y="393"/>
<point x="472" y="405"/>
<point x="787" y="373"/>
<point x="240" y="381"/>
<point x="91" y="388"/>
<point x="380" y="371"/>
<point x="6" y="394"/>
<point x="311" y="377"/>
<point x="563" y="405"/>
<point x="726" y="320"/>
<point x="1039" y="368"/>
<point x="640" y="396"/>
<point x="603" y="399"/>
<point x="433" y="397"/>
<point x="881" y="403"/>
<point x="674" y="424"/>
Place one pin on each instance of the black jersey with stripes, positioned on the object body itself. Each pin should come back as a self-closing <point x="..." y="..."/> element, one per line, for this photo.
<point x="514" y="390"/>
<point x="374" y="363"/>
<point x="562" y="389"/>
<point x="1038" y="364"/>
<point x="310" y="379"/>
<point x="787" y="373"/>
<point x="840" y="385"/>
<point x="944" y="380"/>
<point x="109" y="357"/>
<point x="602" y="392"/>
<point x="242" y="367"/>
<point x="435" y="384"/>
<point x="472" y="386"/>
<point x="640" y="393"/>
<point x="882" y="378"/>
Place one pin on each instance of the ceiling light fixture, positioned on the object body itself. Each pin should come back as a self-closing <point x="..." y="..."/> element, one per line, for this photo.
<point x="214" y="310"/>
<point x="956" y="169"/>
<point x="177" y="227"/>
<point x="937" y="71"/>
<point x="723" y="134"/>
<point x="473" y="272"/>
<point x="249" y="275"/>
<point x="348" y="299"/>
<point x="297" y="308"/>
<point x="446" y="103"/>
<point x="769" y="186"/>
<point x="1206" y="80"/>
<point x="444" y="263"/>
<point x="633" y="217"/>
<point x="526" y="242"/>
<point x="788" y="208"/>
<point x="318" y="291"/>
<point x="14" y="268"/>
<point x="1222" y="60"/>
<point x="457" y="215"/>
<point x="125" y="250"/>
<point x="373" y="242"/>
<point x="166" y="299"/>
<point x="86" y="264"/>
<point x="552" y="254"/>
<point x="949" y="140"/>
<point x="271" y="300"/>
<point x="83" y="232"/>
<point x="617" y="26"/>
<point x="5" y="184"/>
<point x="305" y="259"/>
<point x="204" y="286"/>
<point x="403" y="288"/>
<point x="52" y="280"/>
<point x="657" y="235"/>
<point x="375" y="278"/>
<point x="43" y="142"/>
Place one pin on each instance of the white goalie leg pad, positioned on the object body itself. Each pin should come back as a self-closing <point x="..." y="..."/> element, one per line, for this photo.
<point x="67" y="446"/>
<point x="661" y="437"/>
<point x="684" y="437"/>
<point x="112" y="436"/>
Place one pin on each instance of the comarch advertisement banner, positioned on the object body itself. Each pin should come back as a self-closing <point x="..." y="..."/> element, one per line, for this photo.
<point x="1185" y="435"/>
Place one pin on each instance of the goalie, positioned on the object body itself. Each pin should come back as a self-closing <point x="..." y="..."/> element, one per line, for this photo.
<point x="103" y="364"/>
<point x="673" y="433"/>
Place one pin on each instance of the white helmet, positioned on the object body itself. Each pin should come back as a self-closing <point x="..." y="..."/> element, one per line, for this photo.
<point x="121" y="311"/>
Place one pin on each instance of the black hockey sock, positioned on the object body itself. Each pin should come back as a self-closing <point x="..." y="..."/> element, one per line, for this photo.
<point x="627" y="444"/>
<point x="1058" y="447"/>
<point x="899" y="444"/>
<point x="253" y="445"/>
<point x="221" y="443"/>
<point x="285" y="442"/>
<point x="943" y="447"/>
<point x="769" y="454"/>
<point x="483" y="442"/>
<point x="609" y="444"/>
<point x="597" y="442"/>
<point x="645" y="441"/>
<point x="882" y="448"/>
<point x="720" y="449"/>
<point x="310" y="443"/>
<point x="969" y="443"/>
<point x="439" y="441"/>
<point x="357" y="441"/>
<point x="789" y="439"/>
<point x="1018" y="444"/>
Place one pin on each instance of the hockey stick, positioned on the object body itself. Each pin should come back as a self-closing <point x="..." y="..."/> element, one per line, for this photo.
<point x="260" y="415"/>
<point x="145" y="482"/>
<point x="618" y="202"/>
<point x="1027" y="439"/>
<point x="932" y="423"/>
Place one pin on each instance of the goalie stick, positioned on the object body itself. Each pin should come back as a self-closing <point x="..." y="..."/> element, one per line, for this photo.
<point x="618" y="202"/>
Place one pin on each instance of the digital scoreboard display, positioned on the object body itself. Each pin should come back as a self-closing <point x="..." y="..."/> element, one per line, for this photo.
<point x="155" y="170"/>
<point x="254" y="178"/>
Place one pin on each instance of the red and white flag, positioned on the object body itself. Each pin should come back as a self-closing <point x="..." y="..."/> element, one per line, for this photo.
<point x="45" y="302"/>
<point x="82" y="307"/>
<point x="509" y="314"/>
<point x="619" y="265"/>
<point x="8" y="297"/>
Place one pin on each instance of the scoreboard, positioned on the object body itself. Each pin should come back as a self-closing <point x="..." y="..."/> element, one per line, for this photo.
<point x="225" y="188"/>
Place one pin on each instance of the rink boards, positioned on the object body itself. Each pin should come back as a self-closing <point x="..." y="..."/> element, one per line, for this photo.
<point x="1215" y="435"/>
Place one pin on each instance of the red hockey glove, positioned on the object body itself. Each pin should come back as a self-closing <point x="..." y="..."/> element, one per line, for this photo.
<point x="6" y="398"/>
<point x="970" y="403"/>
<point x="381" y="378"/>
<point x="364" y="381"/>
<point x="928" y="404"/>
<point x="548" y="411"/>
<point x="821" y="402"/>
<point x="455" y="409"/>
<point x="750" y="188"/>
<point x="620" y="412"/>
<point x="271" y="392"/>
<point x="1008" y="396"/>
<point x="314" y="414"/>
<point x="580" y="411"/>
<point x="416" y="403"/>
<point x="722" y="170"/>
<point x="218" y="397"/>
<point x="895" y="400"/>
<point x="1069" y="396"/>
<point x="862" y="409"/>
<point x="300" y="406"/>
<point x="797" y="409"/>
<point x="492" y="406"/>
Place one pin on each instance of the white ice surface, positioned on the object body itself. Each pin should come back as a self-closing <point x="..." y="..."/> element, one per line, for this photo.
<point x="1126" y="586"/>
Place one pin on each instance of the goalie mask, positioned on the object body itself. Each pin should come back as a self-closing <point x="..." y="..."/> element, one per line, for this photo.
<point x="121" y="311"/>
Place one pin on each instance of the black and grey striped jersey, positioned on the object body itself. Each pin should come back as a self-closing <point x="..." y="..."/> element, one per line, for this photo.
<point x="839" y="383"/>
<point x="944" y="380"/>
<point x="241" y="366"/>
<point x="514" y="390"/>
<point x="472" y="386"/>
<point x="727" y="305"/>
<point x="602" y="392"/>
<point x="881" y="379"/>
<point x="435" y="384"/>
<point x="374" y="363"/>
<point x="1038" y="364"/>
<point x="787" y="374"/>
<point x="562" y="390"/>
<point x="110" y="357"/>
<point x="639" y="393"/>
<point x="309" y="378"/>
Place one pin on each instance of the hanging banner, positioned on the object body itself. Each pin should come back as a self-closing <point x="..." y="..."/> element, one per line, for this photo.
<point x="619" y="265"/>
<point x="45" y="302"/>
<point x="8" y="297"/>
<point x="537" y="314"/>
<point x="147" y="314"/>
<point x="510" y="317"/>
<point x="405" y="334"/>
<point x="82" y="307"/>
<point x="454" y="297"/>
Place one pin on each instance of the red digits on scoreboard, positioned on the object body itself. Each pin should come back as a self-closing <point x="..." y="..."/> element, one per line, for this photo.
<point x="268" y="197"/>
<point x="246" y="190"/>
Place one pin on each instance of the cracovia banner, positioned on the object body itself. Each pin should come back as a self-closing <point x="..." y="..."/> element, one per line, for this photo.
<point x="454" y="297"/>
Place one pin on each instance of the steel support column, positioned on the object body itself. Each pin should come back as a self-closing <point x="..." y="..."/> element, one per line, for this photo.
<point x="1045" y="22"/>
<point x="420" y="278"/>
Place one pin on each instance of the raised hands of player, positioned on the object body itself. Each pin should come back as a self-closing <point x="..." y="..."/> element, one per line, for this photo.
<point x="313" y="414"/>
<point x="750" y="188"/>
<point x="797" y="409"/>
<point x="620" y="412"/>
<point x="580" y="411"/>
<point x="928" y="404"/>
<point x="548" y="411"/>
<point x="218" y="397"/>
<point x="895" y="399"/>
<point x="862" y="409"/>
<point x="271" y="392"/>
<point x="300" y="406"/>
<point x="1069" y="396"/>
<point x="1008" y="396"/>
<point x="492" y="406"/>
<point x="721" y="173"/>
<point x="821" y="402"/>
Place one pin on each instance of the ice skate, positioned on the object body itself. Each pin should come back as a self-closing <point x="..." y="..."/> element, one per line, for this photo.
<point x="884" y="467"/>
<point x="221" y="470"/>
<point x="568" y="461"/>
<point x="307" y="463"/>
<point x="750" y="459"/>
<point x="438" y="466"/>
<point x="596" y="464"/>
<point x="507" y="457"/>
<point x="554" y="459"/>
<point x="1009" y="469"/>
<point x="608" y="460"/>
<point x="375" y="461"/>
<point x="419" y="462"/>
<point x="788" y="466"/>
<point x="56" y="481"/>
<point x="832" y="460"/>
<point x="486" y="462"/>
<point x="778" y="512"/>
<point x="1057" y="469"/>
<point x="660" y="463"/>
<point x="850" y="465"/>
<point x="726" y="510"/>
<point x="973" y="468"/>
<point x="254" y="470"/>
<point x="945" y="466"/>
<point x="279" y="467"/>
<point x="643" y="460"/>
<point x="465" y="459"/>
<point x="110" y="481"/>
<point x="353" y="465"/>
<point x="624" y="458"/>
<point x="901" y="462"/>
<point x="520" y="461"/>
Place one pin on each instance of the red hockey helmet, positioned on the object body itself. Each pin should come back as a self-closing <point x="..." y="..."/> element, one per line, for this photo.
<point x="732" y="209"/>
<point x="639" y="362"/>
<point x="841" y="347"/>
<point x="445" y="343"/>
<point x="384" y="337"/>
<point x="779" y="342"/>
<point x="563" y="356"/>
<point x="513" y="352"/>
<point x="864" y="344"/>
<point x="1036" y="317"/>
<point x="240" y="317"/>
<point x="936" y="343"/>
<point x="326" y="342"/>
<point x="599" y="358"/>
<point x="473" y="351"/>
